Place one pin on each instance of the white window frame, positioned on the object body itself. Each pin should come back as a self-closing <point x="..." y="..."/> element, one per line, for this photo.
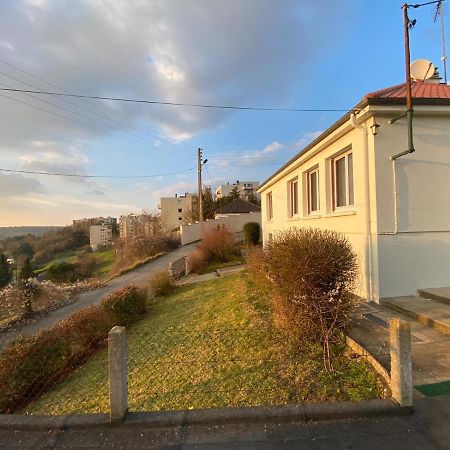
<point x="269" y="202"/>
<point x="315" y="170"/>
<point x="293" y="197"/>
<point x="349" y="202"/>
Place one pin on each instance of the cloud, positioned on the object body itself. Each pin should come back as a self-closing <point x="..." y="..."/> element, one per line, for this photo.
<point x="13" y="185"/>
<point x="208" y="51"/>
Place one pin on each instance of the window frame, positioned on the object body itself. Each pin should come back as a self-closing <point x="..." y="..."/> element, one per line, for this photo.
<point x="349" y="186"/>
<point x="309" y="174"/>
<point x="293" y="197"/>
<point x="269" y="201"/>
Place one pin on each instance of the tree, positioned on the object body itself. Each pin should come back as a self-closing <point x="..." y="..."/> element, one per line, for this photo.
<point x="209" y="205"/>
<point x="25" y="249"/>
<point x="26" y="270"/>
<point x="79" y="238"/>
<point x="5" y="274"/>
<point x="234" y="194"/>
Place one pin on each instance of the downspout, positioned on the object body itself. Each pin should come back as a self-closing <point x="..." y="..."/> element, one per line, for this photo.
<point x="369" y="277"/>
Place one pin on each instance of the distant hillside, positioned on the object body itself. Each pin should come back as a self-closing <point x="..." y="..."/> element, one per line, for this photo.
<point x="6" y="232"/>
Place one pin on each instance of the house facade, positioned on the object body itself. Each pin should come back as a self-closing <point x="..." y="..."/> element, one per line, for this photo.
<point x="177" y="210"/>
<point x="247" y="189"/>
<point x="395" y="212"/>
<point x="100" y="235"/>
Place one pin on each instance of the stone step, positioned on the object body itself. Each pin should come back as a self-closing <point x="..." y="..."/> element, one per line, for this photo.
<point x="425" y="311"/>
<point x="439" y="294"/>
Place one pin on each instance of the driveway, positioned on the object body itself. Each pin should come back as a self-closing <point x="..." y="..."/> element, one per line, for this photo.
<point x="140" y="277"/>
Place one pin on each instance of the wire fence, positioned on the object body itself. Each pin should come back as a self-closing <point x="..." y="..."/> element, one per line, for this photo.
<point x="189" y="370"/>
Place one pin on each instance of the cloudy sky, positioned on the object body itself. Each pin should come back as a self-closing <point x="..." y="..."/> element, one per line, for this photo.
<point x="283" y="53"/>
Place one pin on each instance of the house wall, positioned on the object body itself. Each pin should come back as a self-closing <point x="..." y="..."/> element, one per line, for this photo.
<point x="418" y="256"/>
<point x="352" y="220"/>
<point x="234" y="222"/>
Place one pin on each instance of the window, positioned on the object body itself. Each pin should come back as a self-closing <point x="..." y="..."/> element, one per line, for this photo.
<point x="343" y="192"/>
<point x="313" y="191"/>
<point x="293" y="197"/>
<point x="180" y="218"/>
<point x="180" y="209"/>
<point x="269" y="206"/>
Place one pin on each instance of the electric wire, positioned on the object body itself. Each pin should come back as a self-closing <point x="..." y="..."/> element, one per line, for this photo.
<point x="57" y="174"/>
<point x="193" y="105"/>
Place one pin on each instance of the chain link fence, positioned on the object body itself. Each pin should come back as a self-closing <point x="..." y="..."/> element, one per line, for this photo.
<point x="181" y="369"/>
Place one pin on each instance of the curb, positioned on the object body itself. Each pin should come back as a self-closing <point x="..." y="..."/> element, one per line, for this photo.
<point x="306" y="412"/>
<point x="424" y="320"/>
<point x="359" y="348"/>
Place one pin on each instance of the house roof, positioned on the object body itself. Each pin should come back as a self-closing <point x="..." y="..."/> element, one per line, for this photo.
<point x="423" y="94"/>
<point x="238" y="206"/>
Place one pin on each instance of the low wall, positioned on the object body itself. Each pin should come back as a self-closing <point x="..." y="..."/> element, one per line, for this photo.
<point x="234" y="222"/>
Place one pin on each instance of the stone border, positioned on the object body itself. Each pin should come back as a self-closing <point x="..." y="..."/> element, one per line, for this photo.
<point x="359" y="349"/>
<point x="306" y="412"/>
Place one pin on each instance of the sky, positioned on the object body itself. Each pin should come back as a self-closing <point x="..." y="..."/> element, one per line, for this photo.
<point x="264" y="53"/>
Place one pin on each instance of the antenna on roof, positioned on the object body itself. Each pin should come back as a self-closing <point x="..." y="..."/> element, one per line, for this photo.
<point x="440" y="12"/>
<point x="422" y="69"/>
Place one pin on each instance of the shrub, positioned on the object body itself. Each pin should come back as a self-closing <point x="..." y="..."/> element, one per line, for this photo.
<point x="311" y="273"/>
<point x="62" y="272"/>
<point x="161" y="284"/>
<point x="31" y="365"/>
<point x="252" y="233"/>
<point x="125" y="305"/>
<point x="217" y="245"/>
<point x="196" y="261"/>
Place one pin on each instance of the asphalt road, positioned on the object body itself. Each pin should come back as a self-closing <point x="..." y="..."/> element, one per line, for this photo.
<point x="140" y="277"/>
<point x="426" y="429"/>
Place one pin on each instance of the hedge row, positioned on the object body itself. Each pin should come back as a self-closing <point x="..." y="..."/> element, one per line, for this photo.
<point x="31" y="365"/>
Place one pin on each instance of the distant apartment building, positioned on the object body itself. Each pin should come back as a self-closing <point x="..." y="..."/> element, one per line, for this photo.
<point x="88" y="222"/>
<point x="178" y="210"/>
<point x="247" y="189"/>
<point x="133" y="225"/>
<point x="100" y="235"/>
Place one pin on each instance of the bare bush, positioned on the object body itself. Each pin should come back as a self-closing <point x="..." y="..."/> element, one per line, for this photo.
<point x="217" y="244"/>
<point x="161" y="284"/>
<point x="310" y="274"/>
<point x="197" y="261"/>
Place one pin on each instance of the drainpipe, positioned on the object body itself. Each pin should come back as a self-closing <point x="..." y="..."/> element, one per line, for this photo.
<point x="369" y="277"/>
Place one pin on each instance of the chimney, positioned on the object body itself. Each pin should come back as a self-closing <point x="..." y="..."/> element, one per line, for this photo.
<point x="435" y="79"/>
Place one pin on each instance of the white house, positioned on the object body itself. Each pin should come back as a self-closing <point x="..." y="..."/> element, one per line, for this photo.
<point x="395" y="212"/>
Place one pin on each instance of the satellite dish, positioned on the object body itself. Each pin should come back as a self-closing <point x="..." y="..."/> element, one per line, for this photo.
<point x="422" y="69"/>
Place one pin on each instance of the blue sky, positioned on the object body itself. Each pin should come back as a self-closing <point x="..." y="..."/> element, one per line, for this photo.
<point x="284" y="53"/>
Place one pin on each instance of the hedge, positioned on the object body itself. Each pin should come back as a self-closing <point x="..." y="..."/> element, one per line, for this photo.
<point x="31" y="365"/>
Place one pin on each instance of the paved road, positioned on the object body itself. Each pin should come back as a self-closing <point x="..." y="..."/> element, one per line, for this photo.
<point x="427" y="429"/>
<point x="140" y="277"/>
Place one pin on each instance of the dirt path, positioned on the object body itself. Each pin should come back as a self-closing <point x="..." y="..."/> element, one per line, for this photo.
<point x="140" y="277"/>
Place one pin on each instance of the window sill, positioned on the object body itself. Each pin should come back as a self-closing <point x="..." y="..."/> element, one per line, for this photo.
<point x="344" y="212"/>
<point x="293" y="218"/>
<point x="312" y="216"/>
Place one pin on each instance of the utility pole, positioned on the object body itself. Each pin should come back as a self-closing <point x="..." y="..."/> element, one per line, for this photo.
<point x="409" y="107"/>
<point x="200" y="190"/>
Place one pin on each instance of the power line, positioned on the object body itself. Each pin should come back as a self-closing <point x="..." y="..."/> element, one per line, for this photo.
<point x="95" y="105"/>
<point x="94" y="176"/>
<point x="192" y="105"/>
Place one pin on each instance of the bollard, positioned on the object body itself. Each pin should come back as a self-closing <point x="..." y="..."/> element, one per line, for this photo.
<point x="118" y="374"/>
<point x="401" y="367"/>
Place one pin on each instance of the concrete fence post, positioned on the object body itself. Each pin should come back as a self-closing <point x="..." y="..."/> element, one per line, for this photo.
<point x="186" y="266"/>
<point x="171" y="274"/>
<point x="401" y="366"/>
<point x="118" y="373"/>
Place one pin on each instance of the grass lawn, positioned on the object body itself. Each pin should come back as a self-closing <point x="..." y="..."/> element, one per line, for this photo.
<point x="67" y="256"/>
<point x="211" y="345"/>
<point x="213" y="266"/>
<point x="105" y="260"/>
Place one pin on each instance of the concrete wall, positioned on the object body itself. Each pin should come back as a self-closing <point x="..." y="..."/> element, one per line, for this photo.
<point x="234" y="223"/>
<point x="418" y="256"/>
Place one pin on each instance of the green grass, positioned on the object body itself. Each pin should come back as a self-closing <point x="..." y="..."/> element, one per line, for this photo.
<point x="67" y="256"/>
<point x="211" y="345"/>
<point x="214" y="265"/>
<point x="105" y="261"/>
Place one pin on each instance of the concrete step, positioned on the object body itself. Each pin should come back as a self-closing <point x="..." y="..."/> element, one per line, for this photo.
<point x="425" y="311"/>
<point x="438" y="294"/>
